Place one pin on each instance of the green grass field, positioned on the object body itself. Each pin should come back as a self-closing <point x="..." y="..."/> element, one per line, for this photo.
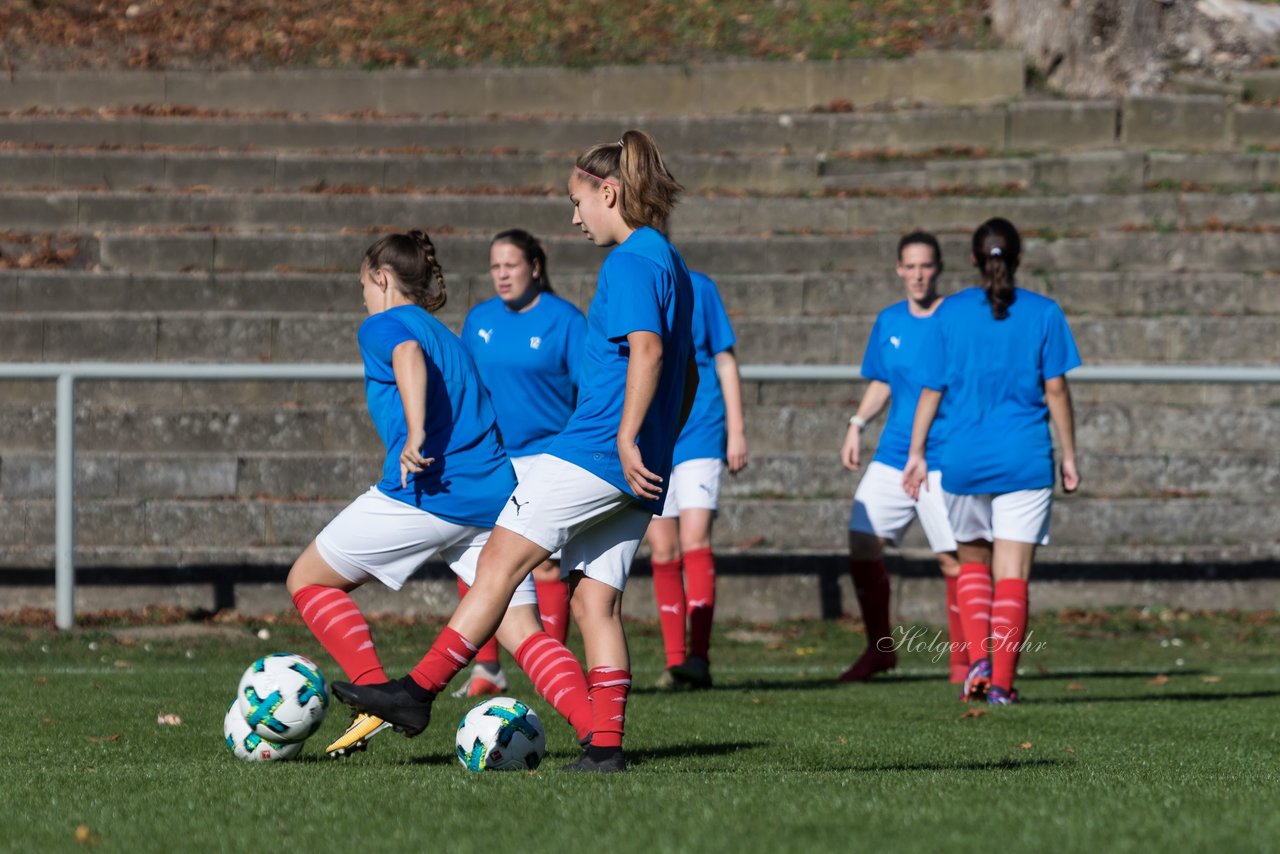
<point x="1139" y="731"/>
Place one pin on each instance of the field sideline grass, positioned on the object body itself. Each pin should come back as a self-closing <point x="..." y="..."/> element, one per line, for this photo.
<point x="1106" y="753"/>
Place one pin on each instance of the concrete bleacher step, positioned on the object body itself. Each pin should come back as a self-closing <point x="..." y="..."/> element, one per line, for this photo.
<point x="158" y="168"/>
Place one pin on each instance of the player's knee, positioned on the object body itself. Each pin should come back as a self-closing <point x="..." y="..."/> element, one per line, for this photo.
<point x="864" y="546"/>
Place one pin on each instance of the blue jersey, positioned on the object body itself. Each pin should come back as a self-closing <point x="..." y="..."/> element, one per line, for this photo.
<point x="992" y="374"/>
<point x="529" y="361"/>
<point x="471" y="477"/>
<point x="893" y="357"/>
<point x="703" y="436"/>
<point x="643" y="287"/>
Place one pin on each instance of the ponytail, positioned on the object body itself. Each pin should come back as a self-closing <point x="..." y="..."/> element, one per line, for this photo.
<point x="412" y="257"/>
<point x="997" y="251"/>
<point x="646" y="191"/>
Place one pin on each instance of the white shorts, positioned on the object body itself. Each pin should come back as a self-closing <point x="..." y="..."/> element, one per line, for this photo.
<point x="376" y="536"/>
<point x="693" y="485"/>
<point x="596" y="527"/>
<point x="1021" y="517"/>
<point x="882" y="507"/>
<point x="522" y="465"/>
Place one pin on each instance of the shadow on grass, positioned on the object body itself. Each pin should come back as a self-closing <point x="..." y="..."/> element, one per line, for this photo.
<point x="989" y="765"/>
<point x="1107" y="674"/>
<point x="680" y="751"/>
<point x="1162" y="697"/>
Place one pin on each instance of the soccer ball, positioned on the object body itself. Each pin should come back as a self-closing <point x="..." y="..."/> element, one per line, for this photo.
<point x="247" y="745"/>
<point x="502" y="734"/>
<point x="283" y="697"/>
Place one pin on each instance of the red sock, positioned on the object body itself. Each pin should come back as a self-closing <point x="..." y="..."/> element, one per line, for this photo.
<point x="955" y="633"/>
<point x="871" y="584"/>
<point x="488" y="654"/>
<point x="668" y="589"/>
<point x="447" y="657"/>
<point x="336" y="621"/>
<point x="558" y="679"/>
<point x="1008" y="625"/>
<point x="553" y="608"/>
<point x="973" y="595"/>
<point x="700" y="576"/>
<point x="607" y="687"/>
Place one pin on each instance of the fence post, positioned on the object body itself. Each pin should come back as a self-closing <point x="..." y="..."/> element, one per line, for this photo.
<point x="64" y="503"/>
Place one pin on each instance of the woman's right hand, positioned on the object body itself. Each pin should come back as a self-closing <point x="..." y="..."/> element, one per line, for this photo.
<point x="851" y="448"/>
<point x="914" y="475"/>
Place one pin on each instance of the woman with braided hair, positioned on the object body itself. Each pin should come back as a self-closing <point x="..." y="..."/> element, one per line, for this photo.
<point x="1000" y="355"/>
<point x="445" y="479"/>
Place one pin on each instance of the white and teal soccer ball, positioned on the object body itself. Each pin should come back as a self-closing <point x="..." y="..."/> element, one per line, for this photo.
<point x="283" y="697"/>
<point x="247" y="745"/>
<point x="502" y="734"/>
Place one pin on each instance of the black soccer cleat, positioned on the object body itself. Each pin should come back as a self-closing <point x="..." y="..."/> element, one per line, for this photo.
<point x="599" y="760"/>
<point x="391" y="701"/>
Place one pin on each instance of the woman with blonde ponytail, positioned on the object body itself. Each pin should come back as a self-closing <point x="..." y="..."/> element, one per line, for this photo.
<point x="997" y="361"/>
<point x="445" y="478"/>
<point x="593" y="491"/>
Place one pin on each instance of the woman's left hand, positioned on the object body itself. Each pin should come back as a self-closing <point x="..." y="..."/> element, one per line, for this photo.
<point x="411" y="459"/>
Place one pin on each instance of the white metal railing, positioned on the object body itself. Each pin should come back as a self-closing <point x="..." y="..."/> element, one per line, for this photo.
<point x="66" y="374"/>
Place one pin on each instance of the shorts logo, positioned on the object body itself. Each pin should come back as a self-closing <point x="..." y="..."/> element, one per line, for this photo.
<point x="518" y="504"/>
<point x="895" y="341"/>
<point x="706" y="488"/>
<point x="535" y="342"/>
<point x="486" y="334"/>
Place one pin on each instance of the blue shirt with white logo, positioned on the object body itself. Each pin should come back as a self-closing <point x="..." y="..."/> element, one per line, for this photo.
<point x="893" y="357"/>
<point x="703" y="436"/>
<point x="471" y="478"/>
<point x="992" y="375"/>
<point x="643" y="287"/>
<point x="529" y="361"/>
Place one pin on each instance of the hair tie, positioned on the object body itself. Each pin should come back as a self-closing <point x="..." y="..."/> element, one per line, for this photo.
<point x="621" y="144"/>
<point x="997" y="252"/>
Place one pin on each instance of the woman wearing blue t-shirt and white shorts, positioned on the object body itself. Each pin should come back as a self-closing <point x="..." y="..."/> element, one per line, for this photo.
<point x="680" y="538"/>
<point x="881" y="510"/>
<point x="593" y="492"/>
<point x="527" y="345"/>
<point x="999" y="358"/>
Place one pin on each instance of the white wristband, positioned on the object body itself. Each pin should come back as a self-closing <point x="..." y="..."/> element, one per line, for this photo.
<point x="856" y="421"/>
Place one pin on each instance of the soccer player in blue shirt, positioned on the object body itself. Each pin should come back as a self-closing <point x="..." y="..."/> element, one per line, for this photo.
<point x="527" y="344"/>
<point x="999" y="357"/>
<point x="593" y="492"/>
<point x="680" y="538"/>
<point x="881" y="510"/>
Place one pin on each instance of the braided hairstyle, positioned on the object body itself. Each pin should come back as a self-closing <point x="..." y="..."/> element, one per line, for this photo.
<point x="997" y="251"/>
<point x="412" y="257"/>
<point x="646" y="191"/>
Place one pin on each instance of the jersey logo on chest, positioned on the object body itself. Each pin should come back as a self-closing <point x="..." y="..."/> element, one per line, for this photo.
<point x="535" y="342"/>
<point x="486" y="334"/>
<point x="895" y="341"/>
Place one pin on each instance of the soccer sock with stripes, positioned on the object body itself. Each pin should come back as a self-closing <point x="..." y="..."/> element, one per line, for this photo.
<point x="336" y="621"/>
<point x="959" y="656"/>
<point x="668" y="590"/>
<point x="558" y="679"/>
<point x="973" y="595"/>
<point x="487" y="654"/>
<point x="447" y="657"/>
<point x="1008" y="626"/>
<point x="608" y="687"/>
<point x="871" y="584"/>
<point x="553" y="607"/>
<point x="700" y="579"/>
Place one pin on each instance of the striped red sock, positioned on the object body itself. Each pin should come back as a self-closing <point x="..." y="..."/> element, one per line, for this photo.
<point x="1008" y="625"/>
<point x="336" y="621"/>
<point x="700" y="577"/>
<point x="558" y="679"/>
<point x="447" y="657"/>
<point x="608" y="687"/>
<point x="487" y="654"/>
<point x="973" y="595"/>
<point x="959" y="661"/>
<point x="553" y="607"/>
<point x="668" y="589"/>
<point x="871" y="584"/>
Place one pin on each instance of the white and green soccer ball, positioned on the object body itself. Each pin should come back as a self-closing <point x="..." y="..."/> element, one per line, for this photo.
<point x="247" y="745"/>
<point x="283" y="697"/>
<point x="501" y="734"/>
